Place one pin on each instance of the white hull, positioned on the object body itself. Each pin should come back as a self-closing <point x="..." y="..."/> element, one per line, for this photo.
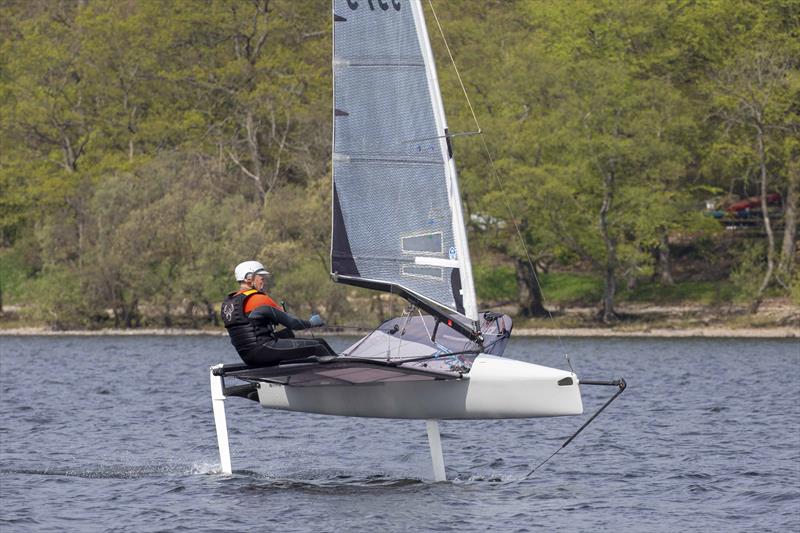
<point x="497" y="388"/>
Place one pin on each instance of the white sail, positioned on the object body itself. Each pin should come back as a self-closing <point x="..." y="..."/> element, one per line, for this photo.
<point x="397" y="216"/>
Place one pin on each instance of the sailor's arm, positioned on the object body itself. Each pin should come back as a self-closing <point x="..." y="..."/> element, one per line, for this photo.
<point x="269" y="314"/>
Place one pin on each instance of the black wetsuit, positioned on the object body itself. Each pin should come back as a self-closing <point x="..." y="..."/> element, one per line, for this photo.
<point x="281" y="345"/>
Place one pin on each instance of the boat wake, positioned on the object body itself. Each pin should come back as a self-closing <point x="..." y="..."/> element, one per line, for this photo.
<point x="105" y="472"/>
<point x="317" y="481"/>
<point x="320" y="482"/>
<point x="310" y="481"/>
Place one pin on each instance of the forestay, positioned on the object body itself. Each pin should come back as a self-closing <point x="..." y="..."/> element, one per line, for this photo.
<point x="397" y="218"/>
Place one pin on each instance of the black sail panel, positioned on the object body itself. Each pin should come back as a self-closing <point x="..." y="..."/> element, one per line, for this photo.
<point x="342" y="262"/>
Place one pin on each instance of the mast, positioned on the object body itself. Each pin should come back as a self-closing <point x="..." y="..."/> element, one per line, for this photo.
<point x="454" y="195"/>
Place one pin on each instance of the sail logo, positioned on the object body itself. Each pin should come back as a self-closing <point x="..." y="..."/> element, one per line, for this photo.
<point x="383" y="4"/>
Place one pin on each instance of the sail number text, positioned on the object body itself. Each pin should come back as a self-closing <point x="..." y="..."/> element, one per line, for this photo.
<point x="383" y="4"/>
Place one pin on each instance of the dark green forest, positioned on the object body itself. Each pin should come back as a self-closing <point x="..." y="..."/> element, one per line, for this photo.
<point x="148" y="146"/>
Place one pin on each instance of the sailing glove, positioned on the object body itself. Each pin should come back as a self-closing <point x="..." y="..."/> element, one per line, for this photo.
<point x="316" y="321"/>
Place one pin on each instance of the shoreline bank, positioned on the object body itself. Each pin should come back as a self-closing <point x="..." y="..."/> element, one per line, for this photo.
<point x="707" y="332"/>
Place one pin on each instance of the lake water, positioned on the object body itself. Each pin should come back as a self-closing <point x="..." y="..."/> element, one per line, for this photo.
<point x="117" y="434"/>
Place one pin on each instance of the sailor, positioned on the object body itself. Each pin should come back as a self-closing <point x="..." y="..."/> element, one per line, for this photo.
<point x="252" y="319"/>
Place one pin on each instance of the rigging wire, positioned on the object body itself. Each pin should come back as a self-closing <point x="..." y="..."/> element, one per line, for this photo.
<point x="496" y="174"/>
<point x="621" y="386"/>
<point x="407" y="314"/>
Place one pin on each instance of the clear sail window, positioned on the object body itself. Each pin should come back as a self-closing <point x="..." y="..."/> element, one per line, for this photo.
<point x="429" y="243"/>
<point x="422" y="272"/>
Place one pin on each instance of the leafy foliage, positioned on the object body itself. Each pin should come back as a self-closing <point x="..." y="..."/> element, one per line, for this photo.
<point x="148" y="147"/>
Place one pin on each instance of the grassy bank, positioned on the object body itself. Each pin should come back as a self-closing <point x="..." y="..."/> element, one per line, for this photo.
<point x="572" y="300"/>
<point x="634" y="317"/>
<point x="561" y="289"/>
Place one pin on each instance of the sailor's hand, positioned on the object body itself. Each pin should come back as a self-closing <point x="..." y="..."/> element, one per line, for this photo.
<point x="316" y="321"/>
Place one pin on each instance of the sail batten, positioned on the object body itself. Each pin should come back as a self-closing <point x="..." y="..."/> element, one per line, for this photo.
<point x="397" y="220"/>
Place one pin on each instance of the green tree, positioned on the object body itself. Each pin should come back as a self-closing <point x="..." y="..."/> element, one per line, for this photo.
<point x="754" y="94"/>
<point x="590" y="136"/>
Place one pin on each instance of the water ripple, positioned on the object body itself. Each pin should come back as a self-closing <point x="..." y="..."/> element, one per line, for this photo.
<point x="117" y="435"/>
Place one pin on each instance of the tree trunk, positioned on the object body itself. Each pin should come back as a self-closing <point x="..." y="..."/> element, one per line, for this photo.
<point x="255" y="154"/>
<point x="376" y="307"/>
<point x="167" y="316"/>
<point x="130" y="314"/>
<point x="607" y="313"/>
<point x="189" y="312"/>
<point x="530" y="293"/>
<point x="211" y="310"/>
<point x="664" y="262"/>
<point x="70" y="161"/>
<point x="787" y="261"/>
<point x="767" y="225"/>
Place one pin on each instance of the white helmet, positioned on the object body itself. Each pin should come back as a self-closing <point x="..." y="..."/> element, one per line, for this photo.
<point x="249" y="267"/>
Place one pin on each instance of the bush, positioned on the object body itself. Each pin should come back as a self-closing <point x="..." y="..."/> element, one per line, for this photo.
<point x="706" y="292"/>
<point x="495" y="283"/>
<point x="60" y="302"/>
<point x="566" y="288"/>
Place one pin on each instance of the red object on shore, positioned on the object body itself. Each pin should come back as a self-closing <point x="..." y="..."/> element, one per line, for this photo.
<point x="753" y="202"/>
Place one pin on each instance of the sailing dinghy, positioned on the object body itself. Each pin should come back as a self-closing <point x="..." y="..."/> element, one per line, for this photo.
<point x="398" y="227"/>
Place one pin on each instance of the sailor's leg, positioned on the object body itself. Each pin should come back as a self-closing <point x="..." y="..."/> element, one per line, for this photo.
<point x="285" y="333"/>
<point x="218" y="404"/>
<point x="274" y="352"/>
<point x="435" y="443"/>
